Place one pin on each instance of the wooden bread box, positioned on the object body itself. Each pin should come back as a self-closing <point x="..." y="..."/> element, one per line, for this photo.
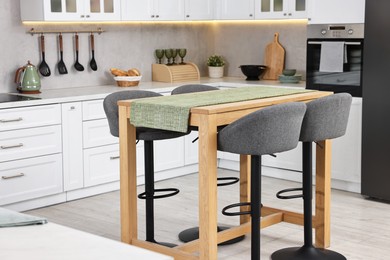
<point x="175" y="73"/>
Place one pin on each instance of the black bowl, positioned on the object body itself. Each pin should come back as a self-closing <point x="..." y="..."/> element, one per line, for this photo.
<point x="253" y="72"/>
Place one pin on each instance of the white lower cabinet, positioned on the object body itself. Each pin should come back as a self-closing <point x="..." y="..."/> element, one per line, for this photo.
<point x="191" y="148"/>
<point x="168" y="154"/>
<point x="27" y="117"/>
<point x="91" y="153"/>
<point x="72" y="148"/>
<point x="30" y="178"/>
<point x="97" y="133"/>
<point x="101" y="165"/>
<point x="30" y="142"/>
<point x="30" y="153"/>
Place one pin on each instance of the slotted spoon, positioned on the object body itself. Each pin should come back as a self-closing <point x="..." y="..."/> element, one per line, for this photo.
<point x="43" y="67"/>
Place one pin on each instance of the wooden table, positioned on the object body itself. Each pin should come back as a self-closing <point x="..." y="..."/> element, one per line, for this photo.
<point x="207" y="119"/>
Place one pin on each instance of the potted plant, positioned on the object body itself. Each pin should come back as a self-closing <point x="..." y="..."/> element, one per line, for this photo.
<point x="216" y="64"/>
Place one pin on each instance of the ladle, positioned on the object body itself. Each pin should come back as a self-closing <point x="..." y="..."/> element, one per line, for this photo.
<point x="77" y="64"/>
<point x="92" y="63"/>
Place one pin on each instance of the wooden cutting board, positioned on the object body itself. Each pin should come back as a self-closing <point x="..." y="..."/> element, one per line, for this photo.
<point x="274" y="59"/>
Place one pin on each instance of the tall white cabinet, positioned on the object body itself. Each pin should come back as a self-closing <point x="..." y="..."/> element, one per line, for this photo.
<point x="335" y="11"/>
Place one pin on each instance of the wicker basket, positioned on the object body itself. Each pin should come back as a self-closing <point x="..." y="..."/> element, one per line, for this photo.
<point x="127" y="81"/>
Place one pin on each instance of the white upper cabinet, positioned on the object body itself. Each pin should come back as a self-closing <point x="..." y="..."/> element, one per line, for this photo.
<point x="70" y="10"/>
<point x="152" y="10"/>
<point x="199" y="9"/>
<point x="235" y="9"/>
<point x="280" y="9"/>
<point x="336" y="11"/>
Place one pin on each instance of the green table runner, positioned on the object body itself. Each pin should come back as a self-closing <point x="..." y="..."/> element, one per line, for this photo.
<point x="172" y="112"/>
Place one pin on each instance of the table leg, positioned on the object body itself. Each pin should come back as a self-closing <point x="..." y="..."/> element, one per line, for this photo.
<point x="245" y="184"/>
<point x="323" y="190"/>
<point x="208" y="188"/>
<point x="128" y="178"/>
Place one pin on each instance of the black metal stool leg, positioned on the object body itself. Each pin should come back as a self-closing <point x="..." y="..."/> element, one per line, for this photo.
<point x="255" y="206"/>
<point x="149" y="194"/>
<point x="307" y="251"/>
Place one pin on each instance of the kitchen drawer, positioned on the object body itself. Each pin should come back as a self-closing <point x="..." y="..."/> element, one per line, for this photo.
<point x="30" y="178"/>
<point x="33" y="116"/>
<point x="93" y="110"/>
<point x="97" y="133"/>
<point x="32" y="142"/>
<point x="101" y="164"/>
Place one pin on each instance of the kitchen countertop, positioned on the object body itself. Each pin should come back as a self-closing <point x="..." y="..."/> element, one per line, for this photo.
<point x="55" y="242"/>
<point x="53" y="96"/>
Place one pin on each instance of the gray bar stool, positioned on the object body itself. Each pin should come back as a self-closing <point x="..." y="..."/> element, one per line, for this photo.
<point x="270" y="130"/>
<point x="325" y="118"/>
<point x="148" y="135"/>
<point x="191" y="234"/>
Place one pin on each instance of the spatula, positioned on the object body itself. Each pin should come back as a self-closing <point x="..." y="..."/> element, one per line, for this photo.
<point x="61" y="65"/>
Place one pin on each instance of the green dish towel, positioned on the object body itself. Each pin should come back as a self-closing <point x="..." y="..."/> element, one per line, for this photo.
<point x="9" y="218"/>
<point x="172" y="112"/>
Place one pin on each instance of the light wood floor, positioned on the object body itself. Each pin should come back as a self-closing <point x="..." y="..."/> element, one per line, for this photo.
<point x="360" y="228"/>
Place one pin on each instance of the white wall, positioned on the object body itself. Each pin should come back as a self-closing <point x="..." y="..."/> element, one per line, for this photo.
<point x="132" y="45"/>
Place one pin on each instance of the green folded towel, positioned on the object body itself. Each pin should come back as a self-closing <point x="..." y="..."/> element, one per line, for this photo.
<point x="9" y="218"/>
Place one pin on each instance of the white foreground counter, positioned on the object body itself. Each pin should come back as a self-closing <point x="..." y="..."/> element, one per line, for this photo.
<point x="54" y="242"/>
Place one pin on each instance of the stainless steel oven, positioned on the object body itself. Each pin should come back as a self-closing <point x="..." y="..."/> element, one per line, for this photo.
<point x="335" y="58"/>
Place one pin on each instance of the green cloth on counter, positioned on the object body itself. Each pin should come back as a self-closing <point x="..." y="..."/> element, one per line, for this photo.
<point x="9" y="218"/>
<point x="172" y="112"/>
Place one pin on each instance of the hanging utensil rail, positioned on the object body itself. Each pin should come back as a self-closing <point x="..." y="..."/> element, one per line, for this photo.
<point x="32" y="31"/>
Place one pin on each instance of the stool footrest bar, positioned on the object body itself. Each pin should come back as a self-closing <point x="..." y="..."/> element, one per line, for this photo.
<point x="227" y="181"/>
<point x="287" y="197"/>
<point x="225" y="209"/>
<point x="172" y="191"/>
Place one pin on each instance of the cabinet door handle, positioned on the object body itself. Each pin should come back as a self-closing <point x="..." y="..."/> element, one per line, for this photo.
<point x="11" y="146"/>
<point x="157" y="16"/>
<point x="87" y="16"/>
<point x="82" y="16"/>
<point x="114" y="157"/>
<point x="187" y="15"/>
<point x="12" y="176"/>
<point x="152" y="16"/>
<point x="11" y="120"/>
<point x="250" y="15"/>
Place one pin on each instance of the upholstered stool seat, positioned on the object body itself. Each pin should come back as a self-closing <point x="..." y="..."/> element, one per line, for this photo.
<point x="148" y="135"/>
<point x="325" y="118"/>
<point x="270" y="130"/>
